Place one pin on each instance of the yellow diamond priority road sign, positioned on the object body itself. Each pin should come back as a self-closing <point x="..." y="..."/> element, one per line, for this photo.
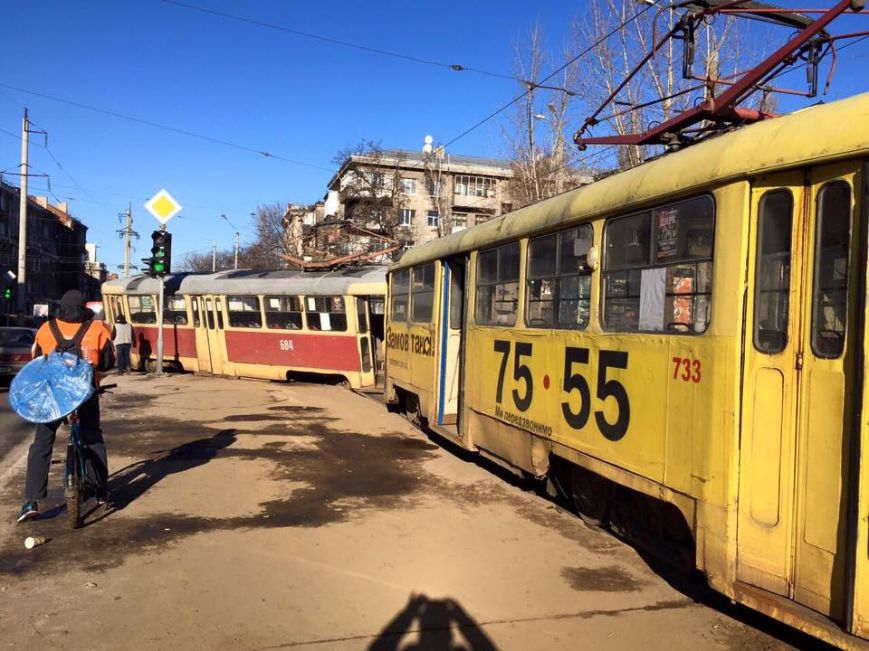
<point x="163" y="206"/>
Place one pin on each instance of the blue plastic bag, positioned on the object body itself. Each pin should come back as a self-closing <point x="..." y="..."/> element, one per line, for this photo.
<point x="51" y="387"/>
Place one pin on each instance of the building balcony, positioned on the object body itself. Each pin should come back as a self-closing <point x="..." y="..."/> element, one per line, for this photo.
<point x="475" y="204"/>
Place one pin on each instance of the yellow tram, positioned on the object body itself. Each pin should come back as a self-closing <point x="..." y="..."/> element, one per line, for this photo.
<point x="683" y="344"/>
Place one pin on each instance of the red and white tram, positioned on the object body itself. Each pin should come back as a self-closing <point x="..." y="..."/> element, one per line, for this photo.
<point x="261" y="324"/>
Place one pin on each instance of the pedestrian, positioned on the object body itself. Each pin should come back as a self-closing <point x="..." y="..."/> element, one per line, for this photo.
<point x="124" y="339"/>
<point x="75" y="330"/>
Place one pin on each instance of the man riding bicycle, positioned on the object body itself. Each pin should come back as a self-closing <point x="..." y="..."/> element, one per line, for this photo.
<point x="76" y="331"/>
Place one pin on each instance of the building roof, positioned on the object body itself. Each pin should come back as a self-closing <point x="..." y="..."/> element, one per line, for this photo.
<point x="417" y="160"/>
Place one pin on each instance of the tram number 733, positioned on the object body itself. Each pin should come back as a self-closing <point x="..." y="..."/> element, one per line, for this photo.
<point x="573" y="381"/>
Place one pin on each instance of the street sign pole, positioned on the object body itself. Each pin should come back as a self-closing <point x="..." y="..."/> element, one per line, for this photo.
<point x="159" y="369"/>
<point x="164" y="207"/>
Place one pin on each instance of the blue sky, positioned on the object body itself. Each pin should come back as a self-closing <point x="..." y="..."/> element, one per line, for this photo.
<point x="264" y="89"/>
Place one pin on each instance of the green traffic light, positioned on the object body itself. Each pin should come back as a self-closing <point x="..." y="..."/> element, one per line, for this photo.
<point x="159" y="267"/>
<point x="7" y="293"/>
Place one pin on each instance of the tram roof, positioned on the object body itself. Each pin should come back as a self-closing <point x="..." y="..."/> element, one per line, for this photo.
<point x="813" y="135"/>
<point x="362" y="280"/>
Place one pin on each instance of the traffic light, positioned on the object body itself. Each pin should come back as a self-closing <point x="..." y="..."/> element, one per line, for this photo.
<point x="7" y="293"/>
<point x="160" y="262"/>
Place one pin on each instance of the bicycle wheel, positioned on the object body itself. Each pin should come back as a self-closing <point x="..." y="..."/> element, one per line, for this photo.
<point x="73" y="487"/>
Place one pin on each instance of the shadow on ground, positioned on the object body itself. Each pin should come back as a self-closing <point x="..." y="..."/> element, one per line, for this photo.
<point x="432" y="625"/>
<point x="334" y="476"/>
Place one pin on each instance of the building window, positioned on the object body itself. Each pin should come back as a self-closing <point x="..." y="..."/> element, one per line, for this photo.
<point x="326" y="313"/>
<point x="284" y="312"/>
<point x="398" y="288"/>
<point x="433" y="218"/>
<point x="460" y="221"/>
<point x="175" y="310"/>
<point x="142" y="309"/>
<point x="244" y="311"/>
<point x="433" y="187"/>
<point x="498" y="285"/>
<point x="408" y="186"/>
<point x="405" y="217"/>
<point x="657" y="271"/>
<point x="422" y="293"/>
<point x="475" y="186"/>
<point x="559" y="279"/>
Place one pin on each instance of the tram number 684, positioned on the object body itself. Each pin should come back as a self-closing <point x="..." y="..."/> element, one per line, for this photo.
<point x="573" y="381"/>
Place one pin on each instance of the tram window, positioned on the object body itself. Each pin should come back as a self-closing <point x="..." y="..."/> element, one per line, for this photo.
<point x="559" y="279"/>
<point x="657" y="274"/>
<point x="375" y="304"/>
<point x="498" y="285"/>
<point x="772" y="280"/>
<point x="209" y="313"/>
<point x="457" y="295"/>
<point x="218" y="308"/>
<point x="142" y="309"/>
<point x="422" y="293"/>
<point x="194" y="304"/>
<point x="361" y="316"/>
<point x="832" y="245"/>
<point x="244" y="311"/>
<point x="399" y="289"/>
<point x="284" y="312"/>
<point x="175" y="310"/>
<point x="326" y="313"/>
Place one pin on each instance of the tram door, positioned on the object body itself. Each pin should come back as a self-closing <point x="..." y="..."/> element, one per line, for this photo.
<point x="451" y="340"/>
<point x="200" y="325"/>
<point x="210" y="333"/>
<point x="798" y="389"/>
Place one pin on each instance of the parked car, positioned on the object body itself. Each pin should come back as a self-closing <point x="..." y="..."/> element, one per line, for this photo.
<point x="16" y="349"/>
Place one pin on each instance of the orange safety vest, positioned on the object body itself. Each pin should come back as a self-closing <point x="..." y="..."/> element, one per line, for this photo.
<point x="97" y="337"/>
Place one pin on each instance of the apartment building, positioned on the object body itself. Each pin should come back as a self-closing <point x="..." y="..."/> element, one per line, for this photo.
<point x="56" y="251"/>
<point x="416" y="197"/>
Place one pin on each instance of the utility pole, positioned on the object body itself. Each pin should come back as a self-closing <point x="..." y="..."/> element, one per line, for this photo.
<point x="127" y="237"/>
<point x="22" y="220"/>
<point x="237" y="238"/>
<point x="213" y="255"/>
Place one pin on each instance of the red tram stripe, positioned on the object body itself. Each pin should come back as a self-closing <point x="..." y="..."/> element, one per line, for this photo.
<point x="323" y="351"/>
<point x="176" y="341"/>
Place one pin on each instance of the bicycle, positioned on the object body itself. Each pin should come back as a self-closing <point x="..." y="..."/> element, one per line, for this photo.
<point x="76" y="488"/>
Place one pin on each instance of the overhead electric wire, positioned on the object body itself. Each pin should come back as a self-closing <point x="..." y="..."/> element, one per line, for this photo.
<point x="157" y="125"/>
<point x="531" y="87"/>
<point x="456" y="67"/>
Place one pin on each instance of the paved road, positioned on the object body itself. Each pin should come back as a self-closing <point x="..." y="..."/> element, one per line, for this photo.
<point x="13" y="431"/>
<point x="256" y="515"/>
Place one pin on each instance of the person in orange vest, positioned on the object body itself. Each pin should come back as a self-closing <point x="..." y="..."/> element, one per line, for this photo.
<point x="74" y="330"/>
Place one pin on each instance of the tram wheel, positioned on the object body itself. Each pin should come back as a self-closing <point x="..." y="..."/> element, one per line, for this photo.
<point x="591" y="496"/>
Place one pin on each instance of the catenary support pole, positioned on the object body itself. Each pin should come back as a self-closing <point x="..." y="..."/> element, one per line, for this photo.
<point x="22" y="221"/>
<point x="128" y="232"/>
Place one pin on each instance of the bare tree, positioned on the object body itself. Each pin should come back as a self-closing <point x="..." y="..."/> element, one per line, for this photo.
<point x="371" y="190"/>
<point x="658" y="91"/>
<point x="536" y="135"/>
<point x="271" y="239"/>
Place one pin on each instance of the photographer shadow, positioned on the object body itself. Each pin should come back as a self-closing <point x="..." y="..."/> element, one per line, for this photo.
<point x="440" y="624"/>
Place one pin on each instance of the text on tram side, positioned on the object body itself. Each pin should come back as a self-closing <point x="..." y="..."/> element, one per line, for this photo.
<point x="573" y="381"/>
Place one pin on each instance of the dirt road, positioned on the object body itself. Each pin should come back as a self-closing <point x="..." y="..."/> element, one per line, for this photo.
<point x="251" y="515"/>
